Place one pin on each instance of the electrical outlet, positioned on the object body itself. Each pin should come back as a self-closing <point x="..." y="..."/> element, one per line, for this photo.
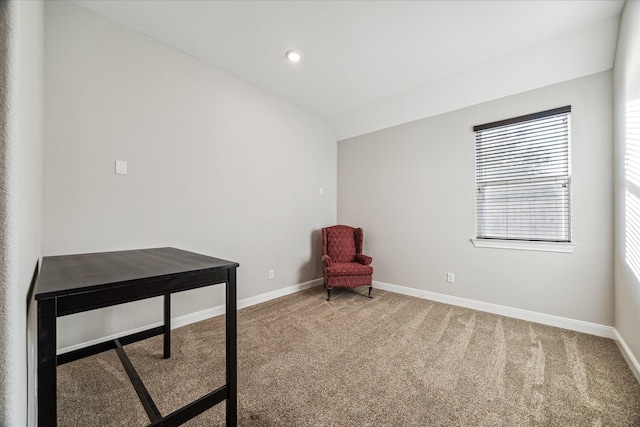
<point x="271" y="273"/>
<point x="451" y="278"/>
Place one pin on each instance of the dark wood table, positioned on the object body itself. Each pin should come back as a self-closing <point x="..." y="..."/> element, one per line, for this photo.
<point x="71" y="284"/>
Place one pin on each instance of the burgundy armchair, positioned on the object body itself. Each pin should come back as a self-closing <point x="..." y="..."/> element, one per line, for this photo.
<point x="343" y="264"/>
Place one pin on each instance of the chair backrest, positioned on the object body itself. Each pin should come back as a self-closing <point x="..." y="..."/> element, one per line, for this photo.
<point x="341" y="242"/>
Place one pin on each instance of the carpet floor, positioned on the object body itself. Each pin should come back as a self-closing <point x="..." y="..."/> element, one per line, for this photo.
<point x="393" y="360"/>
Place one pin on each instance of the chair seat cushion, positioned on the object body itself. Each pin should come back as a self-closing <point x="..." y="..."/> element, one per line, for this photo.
<point x="348" y="269"/>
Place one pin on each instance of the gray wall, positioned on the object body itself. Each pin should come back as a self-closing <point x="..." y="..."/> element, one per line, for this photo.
<point x="411" y="188"/>
<point x="214" y="165"/>
<point x="21" y="133"/>
<point x="627" y="125"/>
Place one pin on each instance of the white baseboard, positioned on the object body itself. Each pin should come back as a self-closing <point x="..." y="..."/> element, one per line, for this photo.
<point x="187" y="319"/>
<point x="545" y="319"/>
<point x="531" y="316"/>
<point x="247" y="302"/>
<point x="628" y="355"/>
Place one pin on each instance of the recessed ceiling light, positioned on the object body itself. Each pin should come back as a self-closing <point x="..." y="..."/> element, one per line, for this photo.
<point x="293" y="55"/>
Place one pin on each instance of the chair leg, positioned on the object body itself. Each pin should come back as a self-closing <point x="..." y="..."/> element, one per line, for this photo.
<point x="327" y="289"/>
<point x="370" y="288"/>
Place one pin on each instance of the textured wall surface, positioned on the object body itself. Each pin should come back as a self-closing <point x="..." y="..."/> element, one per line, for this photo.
<point x="6" y="269"/>
<point x="21" y="143"/>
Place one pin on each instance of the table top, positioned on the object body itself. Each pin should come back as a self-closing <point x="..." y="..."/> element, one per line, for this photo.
<point x="68" y="274"/>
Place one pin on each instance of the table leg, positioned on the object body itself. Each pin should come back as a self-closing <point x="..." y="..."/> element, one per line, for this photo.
<point x="47" y="363"/>
<point x="167" y="326"/>
<point x="232" y="350"/>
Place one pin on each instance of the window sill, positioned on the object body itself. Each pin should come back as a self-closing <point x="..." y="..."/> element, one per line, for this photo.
<point x="524" y="245"/>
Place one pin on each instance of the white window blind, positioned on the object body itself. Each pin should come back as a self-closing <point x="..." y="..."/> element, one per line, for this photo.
<point x="523" y="178"/>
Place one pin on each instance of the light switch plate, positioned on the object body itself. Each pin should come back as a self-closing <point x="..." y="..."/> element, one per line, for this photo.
<point x="121" y="167"/>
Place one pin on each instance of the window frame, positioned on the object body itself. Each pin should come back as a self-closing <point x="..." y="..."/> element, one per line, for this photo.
<point x="530" y="241"/>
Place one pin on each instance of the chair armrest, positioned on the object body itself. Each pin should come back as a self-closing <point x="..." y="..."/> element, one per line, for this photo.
<point x="363" y="259"/>
<point x="326" y="261"/>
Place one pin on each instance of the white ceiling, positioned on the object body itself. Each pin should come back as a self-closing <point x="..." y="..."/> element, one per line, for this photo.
<point x="355" y="53"/>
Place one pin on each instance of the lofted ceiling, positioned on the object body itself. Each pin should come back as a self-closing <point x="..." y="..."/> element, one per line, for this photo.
<point x="357" y="55"/>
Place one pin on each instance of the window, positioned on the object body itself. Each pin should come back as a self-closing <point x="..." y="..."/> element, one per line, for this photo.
<point x="523" y="178"/>
<point x="632" y="193"/>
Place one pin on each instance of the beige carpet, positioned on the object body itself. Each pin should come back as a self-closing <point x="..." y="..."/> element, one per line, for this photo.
<point x="388" y="361"/>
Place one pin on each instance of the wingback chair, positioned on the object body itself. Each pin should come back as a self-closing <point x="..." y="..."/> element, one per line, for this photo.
<point x="343" y="264"/>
